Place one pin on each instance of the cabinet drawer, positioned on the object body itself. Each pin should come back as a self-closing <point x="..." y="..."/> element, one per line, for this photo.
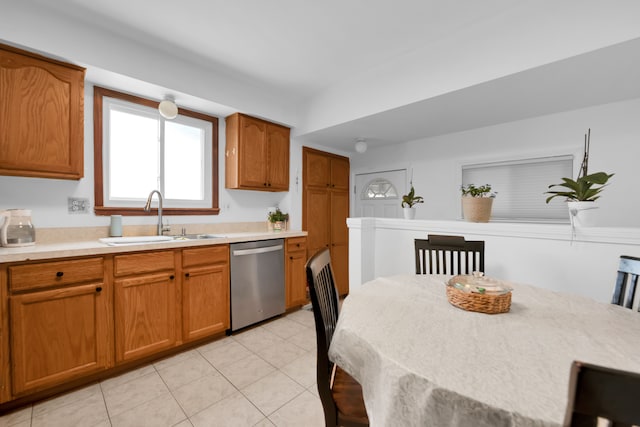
<point x="296" y="244"/>
<point x="206" y="255"/>
<point x="143" y="262"/>
<point x="46" y="274"/>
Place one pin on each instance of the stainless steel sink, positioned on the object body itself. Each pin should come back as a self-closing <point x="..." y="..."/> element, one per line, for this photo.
<point x="134" y="240"/>
<point x="197" y="236"/>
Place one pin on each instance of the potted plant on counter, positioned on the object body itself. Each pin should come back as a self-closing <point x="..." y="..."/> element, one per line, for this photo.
<point x="278" y="220"/>
<point x="477" y="202"/>
<point x="582" y="193"/>
<point x="408" y="202"/>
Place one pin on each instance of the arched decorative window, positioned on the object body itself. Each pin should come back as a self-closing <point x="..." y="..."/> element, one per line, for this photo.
<point x="379" y="189"/>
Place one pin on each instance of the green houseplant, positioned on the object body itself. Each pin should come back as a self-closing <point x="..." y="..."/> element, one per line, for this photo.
<point x="471" y="190"/>
<point x="409" y="200"/>
<point x="477" y="202"/>
<point x="278" y="219"/>
<point x="582" y="192"/>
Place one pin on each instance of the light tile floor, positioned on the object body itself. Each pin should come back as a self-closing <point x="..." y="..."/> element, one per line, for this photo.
<point x="264" y="376"/>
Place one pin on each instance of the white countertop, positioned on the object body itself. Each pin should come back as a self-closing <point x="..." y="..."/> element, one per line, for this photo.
<point x="95" y="247"/>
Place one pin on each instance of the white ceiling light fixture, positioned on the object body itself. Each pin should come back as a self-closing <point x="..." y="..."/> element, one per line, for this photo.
<point x="361" y="145"/>
<point x="168" y="108"/>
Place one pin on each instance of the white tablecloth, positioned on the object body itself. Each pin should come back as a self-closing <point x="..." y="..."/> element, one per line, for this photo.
<point x="423" y="362"/>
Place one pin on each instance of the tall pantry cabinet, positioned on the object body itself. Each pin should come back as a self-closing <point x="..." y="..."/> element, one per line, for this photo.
<point x="326" y="208"/>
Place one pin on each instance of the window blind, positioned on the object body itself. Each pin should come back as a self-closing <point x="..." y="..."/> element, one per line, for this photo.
<point x="521" y="187"/>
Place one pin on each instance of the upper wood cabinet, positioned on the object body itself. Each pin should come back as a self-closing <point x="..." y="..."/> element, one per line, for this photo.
<point x="324" y="171"/>
<point x="41" y="116"/>
<point x="256" y="155"/>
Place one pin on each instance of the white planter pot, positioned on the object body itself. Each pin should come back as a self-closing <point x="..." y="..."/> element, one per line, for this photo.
<point x="583" y="214"/>
<point x="409" y="213"/>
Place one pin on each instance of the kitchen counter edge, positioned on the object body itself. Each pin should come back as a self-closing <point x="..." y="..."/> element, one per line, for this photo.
<point x="87" y="248"/>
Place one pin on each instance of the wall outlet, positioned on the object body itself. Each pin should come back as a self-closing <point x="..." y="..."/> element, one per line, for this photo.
<point x="78" y="205"/>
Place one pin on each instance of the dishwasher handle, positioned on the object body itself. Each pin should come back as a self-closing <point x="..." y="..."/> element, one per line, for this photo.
<point x="241" y="252"/>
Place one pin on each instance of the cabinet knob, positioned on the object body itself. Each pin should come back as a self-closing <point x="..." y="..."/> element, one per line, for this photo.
<point x="186" y="274"/>
<point x="172" y="277"/>
<point x="59" y="274"/>
<point x="298" y="244"/>
<point x="269" y="184"/>
<point x="99" y="289"/>
<point x="290" y="257"/>
<point x="264" y="183"/>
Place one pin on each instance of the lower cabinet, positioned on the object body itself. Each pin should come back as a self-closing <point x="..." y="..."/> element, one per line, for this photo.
<point x="61" y="333"/>
<point x="145" y="295"/>
<point x="205" y="292"/>
<point x="296" y="279"/>
<point x="71" y="318"/>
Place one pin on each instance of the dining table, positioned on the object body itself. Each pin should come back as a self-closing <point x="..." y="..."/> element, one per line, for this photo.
<point x="422" y="361"/>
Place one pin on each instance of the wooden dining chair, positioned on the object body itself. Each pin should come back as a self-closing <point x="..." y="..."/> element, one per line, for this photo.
<point x="341" y="394"/>
<point x="597" y="392"/>
<point x="448" y="255"/>
<point x="628" y="272"/>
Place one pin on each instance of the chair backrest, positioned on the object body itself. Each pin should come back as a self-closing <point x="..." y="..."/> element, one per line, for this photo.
<point x="324" y="300"/>
<point x="625" y="291"/>
<point x="599" y="392"/>
<point x="448" y="255"/>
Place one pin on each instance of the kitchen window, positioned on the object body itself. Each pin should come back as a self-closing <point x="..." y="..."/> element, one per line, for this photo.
<point x="520" y="186"/>
<point x="138" y="151"/>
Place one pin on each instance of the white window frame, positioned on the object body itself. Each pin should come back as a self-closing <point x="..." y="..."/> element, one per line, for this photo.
<point x="110" y="104"/>
<point x="557" y="207"/>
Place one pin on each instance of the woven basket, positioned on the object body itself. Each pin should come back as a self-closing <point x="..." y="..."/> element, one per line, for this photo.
<point x="477" y="209"/>
<point x="490" y="303"/>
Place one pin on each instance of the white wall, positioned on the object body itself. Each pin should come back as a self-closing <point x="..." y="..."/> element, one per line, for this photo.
<point x="47" y="198"/>
<point x="436" y="162"/>
<point x="545" y="256"/>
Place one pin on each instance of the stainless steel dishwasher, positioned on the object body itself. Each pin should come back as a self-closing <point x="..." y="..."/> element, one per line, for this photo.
<point x="257" y="281"/>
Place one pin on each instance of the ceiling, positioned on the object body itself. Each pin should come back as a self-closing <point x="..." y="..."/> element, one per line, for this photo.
<point x="531" y="58"/>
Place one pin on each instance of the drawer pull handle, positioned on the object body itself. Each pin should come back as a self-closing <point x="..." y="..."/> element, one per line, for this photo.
<point x="171" y="277"/>
<point x="290" y="257"/>
<point x="59" y="274"/>
<point x="99" y="289"/>
<point x="186" y="274"/>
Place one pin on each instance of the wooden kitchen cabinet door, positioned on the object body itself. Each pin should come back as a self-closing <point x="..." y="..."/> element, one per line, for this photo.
<point x="296" y="277"/>
<point x="278" y="146"/>
<point x="205" y="292"/>
<point x="205" y="301"/>
<point x="340" y="174"/>
<point x="340" y="240"/>
<point x="145" y="310"/>
<point x="41" y="116"/>
<point x="317" y="219"/>
<point x="252" y="153"/>
<point x="256" y="155"/>
<point x="59" y="335"/>
<point x="317" y="172"/>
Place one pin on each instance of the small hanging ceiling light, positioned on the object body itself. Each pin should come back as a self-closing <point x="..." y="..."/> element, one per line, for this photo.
<point x="168" y="108"/>
<point x="361" y="145"/>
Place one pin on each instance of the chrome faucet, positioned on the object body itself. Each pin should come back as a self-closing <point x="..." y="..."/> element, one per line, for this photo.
<point x="147" y="208"/>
